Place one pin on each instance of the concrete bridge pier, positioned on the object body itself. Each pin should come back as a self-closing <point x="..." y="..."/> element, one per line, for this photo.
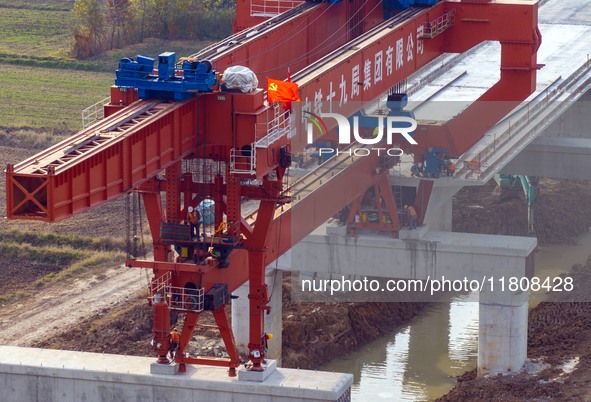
<point x="502" y="337"/>
<point x="273" y="321"/>
<point x="439" y="211"/>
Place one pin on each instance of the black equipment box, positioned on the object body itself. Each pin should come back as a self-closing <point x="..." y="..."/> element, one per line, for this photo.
<point x="216" y="297"/>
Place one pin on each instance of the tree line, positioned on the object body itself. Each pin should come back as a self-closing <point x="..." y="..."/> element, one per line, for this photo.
<point x="101" y="25"/>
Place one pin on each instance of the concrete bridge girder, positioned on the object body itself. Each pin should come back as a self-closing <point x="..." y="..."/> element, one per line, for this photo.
<point x="554" y="157"/>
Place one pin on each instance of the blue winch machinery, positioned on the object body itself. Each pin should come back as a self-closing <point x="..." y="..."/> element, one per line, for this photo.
<point x="169" y="83"/>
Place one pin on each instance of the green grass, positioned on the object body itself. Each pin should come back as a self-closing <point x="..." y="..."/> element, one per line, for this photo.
<point x="43" y="87"/>
<point x="72" y="253"/>
<point x="94" y="259"/>
<point x="35" y="32"/>
<point x="30" y="139"/>
<point x="60" y="240"/>
<point x="151" y="47"/>
<point x="49" y="5"/>
<point x="102" y="64"/>
<point x="49" y="98"/>
<point x="10" y="297"/>
<point x="47" y="255"/>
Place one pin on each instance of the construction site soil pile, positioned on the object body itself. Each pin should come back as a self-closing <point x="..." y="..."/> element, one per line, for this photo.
<point x="560" y="210"/>
<point x="559" y="352"/>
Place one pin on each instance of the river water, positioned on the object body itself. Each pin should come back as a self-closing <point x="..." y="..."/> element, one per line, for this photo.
<point x="420" y="361"/>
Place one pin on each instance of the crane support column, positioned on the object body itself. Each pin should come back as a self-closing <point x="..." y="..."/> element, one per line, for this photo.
<point x="273" y="322"/>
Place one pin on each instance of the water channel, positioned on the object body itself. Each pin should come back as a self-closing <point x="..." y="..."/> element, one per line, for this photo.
<point x="420" y="361"/>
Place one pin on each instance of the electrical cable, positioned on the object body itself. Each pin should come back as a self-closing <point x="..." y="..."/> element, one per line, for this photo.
<point x="286" y="40"/>
<point x="316" y="48"/>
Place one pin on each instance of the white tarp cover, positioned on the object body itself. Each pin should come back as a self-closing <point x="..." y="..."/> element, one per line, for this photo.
<point x="240" y="77"/>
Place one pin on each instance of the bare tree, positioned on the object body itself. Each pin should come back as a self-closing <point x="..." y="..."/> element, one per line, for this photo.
<point x="118" y="15"/>
<point x="88" y="28"/>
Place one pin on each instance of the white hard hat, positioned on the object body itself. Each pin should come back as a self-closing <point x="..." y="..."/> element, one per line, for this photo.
<point x="190" y="209"/>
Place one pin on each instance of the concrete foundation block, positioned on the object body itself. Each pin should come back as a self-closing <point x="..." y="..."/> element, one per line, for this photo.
<point x="165" y="369"/>
<point x="413" y="234"/>
<point x="336" y="230"/>
<point x="258" y="376"/>
<point x="41" y="375"/>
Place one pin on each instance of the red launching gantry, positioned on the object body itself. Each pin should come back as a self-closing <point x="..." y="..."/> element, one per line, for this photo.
<point x="221" y="146"/>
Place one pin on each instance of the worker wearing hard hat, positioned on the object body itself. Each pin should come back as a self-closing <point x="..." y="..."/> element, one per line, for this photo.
<point x="173" y="342"/>
<point x="266" y="338"/>
<point x="412" y="216"/>
<point x="193" y="218"/>
<point x="416" y="170"/>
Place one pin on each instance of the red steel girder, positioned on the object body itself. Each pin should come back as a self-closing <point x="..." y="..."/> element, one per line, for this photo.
<point x="252" y="12"/>
<point x="102" y="162"/>
<point x="386" y="56"/>
<point x="294" y="40"/>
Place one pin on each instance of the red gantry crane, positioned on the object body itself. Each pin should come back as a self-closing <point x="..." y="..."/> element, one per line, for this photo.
<point x="220" y="146"/>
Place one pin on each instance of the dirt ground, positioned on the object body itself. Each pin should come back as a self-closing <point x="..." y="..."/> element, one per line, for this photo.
<point x="559" y="352"/>
<point x="560" y="211"/>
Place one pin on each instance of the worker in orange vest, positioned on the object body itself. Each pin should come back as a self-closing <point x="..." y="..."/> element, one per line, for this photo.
<point x="412" y="216"/>
<point x="173" y="342"/>
<point x="451" y="169"/>
<point x="194" y="221"/>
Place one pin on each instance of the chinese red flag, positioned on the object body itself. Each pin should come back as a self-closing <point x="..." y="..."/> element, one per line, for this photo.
<point x="281" y="91"/>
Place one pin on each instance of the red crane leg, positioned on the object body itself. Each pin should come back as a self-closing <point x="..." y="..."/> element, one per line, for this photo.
<point x="223" y="323"/>
<point x="161" y="328"/>
<point x="186" y="334"/>
<point x="153" y="207"/>
<point x="258" y="295"/>
<point x="187" y="331"/>
<point x="387" y="195"/>
<point x="218" y="198"/>
<point x="258" y="299"/>
<point x="173" y="174"/>
<point x="233" y="205"/>
<point x="422" y="199"/>
<point x="384" y="203"/>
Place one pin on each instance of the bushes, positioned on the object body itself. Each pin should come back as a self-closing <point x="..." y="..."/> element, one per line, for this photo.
<point x="100" y="27"/>
<point x="215" y="24"/>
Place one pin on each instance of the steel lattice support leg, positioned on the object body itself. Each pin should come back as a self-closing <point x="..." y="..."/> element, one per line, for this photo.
<point x="186" y="333"/>
<point x="258" y="295"/>
<point x="221" y="319"/>
<point x="161" y="326"/>
<point x="258" y="299"/>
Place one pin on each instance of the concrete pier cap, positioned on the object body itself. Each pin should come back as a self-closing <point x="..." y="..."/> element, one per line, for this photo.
<point x="28" y="374"/>
<point x="417" y="254"/>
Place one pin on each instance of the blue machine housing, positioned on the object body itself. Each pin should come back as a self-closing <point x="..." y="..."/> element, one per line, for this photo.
<point x="434" y="161"/>
<point x="198" y="76"/>
<point x="396" y="103"/>
<point x="392" y="7"/>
